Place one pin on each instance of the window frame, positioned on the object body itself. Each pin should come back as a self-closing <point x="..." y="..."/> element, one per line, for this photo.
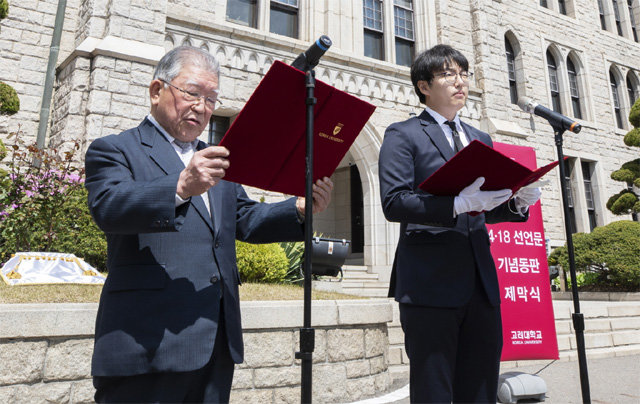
<point x="254" y="18"/>
<point x="574" y="84"/>
<point x="616" y="102"/>
<point x="283" y="6"/>
<point x="404" y="40"/>
<point x="511" y="70"/>
<point x="373" y="32"/>
<point x="556" y="100"/>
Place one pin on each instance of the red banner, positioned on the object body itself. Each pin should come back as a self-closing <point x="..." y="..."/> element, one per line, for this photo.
<point x="528" y="325"/>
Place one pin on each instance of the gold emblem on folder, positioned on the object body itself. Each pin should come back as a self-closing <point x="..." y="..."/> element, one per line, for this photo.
<point x="337" y="129"/>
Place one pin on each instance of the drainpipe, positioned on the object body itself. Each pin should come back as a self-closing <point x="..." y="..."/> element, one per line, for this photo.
<point x="51" y="74"/>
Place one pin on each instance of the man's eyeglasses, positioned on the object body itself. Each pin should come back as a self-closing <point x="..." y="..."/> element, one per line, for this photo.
<point x="450" y="77"/>
<point x="189" y="96"/>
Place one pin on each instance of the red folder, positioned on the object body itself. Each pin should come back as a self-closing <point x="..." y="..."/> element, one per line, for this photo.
<point x="479" y="160"/>
<point x="266" y="141"/>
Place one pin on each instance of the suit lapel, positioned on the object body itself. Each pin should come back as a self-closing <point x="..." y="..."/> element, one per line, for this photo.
<point x="165" y="156"/>
<point x="471" y="132"/>
<point x="160" y="150"/>
<point x="437" y="136"/>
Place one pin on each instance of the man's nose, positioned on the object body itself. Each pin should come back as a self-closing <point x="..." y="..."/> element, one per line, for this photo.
<point x="198" y="105"/>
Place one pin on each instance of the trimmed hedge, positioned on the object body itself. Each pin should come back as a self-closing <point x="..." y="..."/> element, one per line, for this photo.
<point x="261" y="263"/>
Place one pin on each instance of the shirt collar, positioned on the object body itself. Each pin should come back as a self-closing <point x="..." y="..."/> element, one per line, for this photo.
<point x="166" y="134"/>
<point x="441" y="119"/>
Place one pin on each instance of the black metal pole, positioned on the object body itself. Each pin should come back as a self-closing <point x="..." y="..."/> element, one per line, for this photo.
<point x="307" y="334"/>
<point x="578" y="318"/>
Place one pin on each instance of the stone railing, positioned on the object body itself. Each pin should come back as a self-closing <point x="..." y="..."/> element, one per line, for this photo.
<point x="45" y="351"/>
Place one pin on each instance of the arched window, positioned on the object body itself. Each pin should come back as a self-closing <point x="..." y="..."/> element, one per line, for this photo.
<point x="574" y="88"/>
<point x="511" y="69"/>
<point x="562" y="7"/>
<point x="616" y="99"/>
<point x="603" y="20"/>
<point x="554" y="87"/>
<point x="632" y="20"/>
<point x="616" y="14"/>
<point x="632" y="89"/>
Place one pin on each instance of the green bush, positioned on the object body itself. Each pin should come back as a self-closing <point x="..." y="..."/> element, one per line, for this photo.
<point x="634" y="114"/>
<point x="77" y="233"/>
<point x="262" y="263"/>
<point x="632" y="138"/>
<point x="4" y="8"/>
<point x="582" y="278"/>
<point x="9" y="101"/>
<point x="622" y="203"/>
<point x="611" y="253"/>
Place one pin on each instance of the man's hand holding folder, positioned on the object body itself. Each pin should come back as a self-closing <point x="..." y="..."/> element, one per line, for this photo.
<point x="461" y="176"/>
<point x="472" y="199"/>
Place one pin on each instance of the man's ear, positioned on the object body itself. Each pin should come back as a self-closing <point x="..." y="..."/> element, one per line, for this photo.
<point x="423" y="85"/>
<point x="154" y="91"/>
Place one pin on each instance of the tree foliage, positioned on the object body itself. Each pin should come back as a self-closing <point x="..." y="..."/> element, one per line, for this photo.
<point x="611" y="252"/>
<point x="628" y="200"/>
<point x="9" y="101"/>
<point x="4" y="8"/>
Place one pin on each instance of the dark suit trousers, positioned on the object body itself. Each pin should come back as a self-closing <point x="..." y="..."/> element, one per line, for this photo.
<point x="210" y="384"/>
<point x="454" y="353"/>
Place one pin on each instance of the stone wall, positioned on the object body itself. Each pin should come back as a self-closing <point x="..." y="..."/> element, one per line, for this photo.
<point x="45" y="352"/>
<point x="612" y="328"/>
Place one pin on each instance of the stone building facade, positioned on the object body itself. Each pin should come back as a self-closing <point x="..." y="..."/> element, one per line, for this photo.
<point x="580" y="55"/>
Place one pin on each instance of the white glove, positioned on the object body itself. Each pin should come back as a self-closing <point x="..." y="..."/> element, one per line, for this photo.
<point x="472" y="199"/>
<point x="526" y="197"/>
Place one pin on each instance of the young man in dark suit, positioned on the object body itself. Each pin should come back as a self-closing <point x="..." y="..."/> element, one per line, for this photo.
<point x="443" y="276"/>
<point x="168" y="326"/>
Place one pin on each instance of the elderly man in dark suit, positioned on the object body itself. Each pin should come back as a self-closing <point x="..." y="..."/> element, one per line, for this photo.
<point x="443" y="275"/>
<point x="168" y="326"/>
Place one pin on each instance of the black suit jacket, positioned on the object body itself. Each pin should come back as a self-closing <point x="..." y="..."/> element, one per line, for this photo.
<point x="169" y="267"/>
<point x="438" y="256"/>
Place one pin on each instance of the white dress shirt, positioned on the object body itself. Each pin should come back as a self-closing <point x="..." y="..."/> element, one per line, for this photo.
<point x="185" y="154"/>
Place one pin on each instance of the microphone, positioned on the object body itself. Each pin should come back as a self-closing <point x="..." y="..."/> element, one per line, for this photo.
<point x="558" y="121"/>
<point x="310" y="58"/>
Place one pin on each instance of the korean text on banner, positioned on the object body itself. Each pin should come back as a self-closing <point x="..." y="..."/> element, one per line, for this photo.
<point x="519" y="252"/>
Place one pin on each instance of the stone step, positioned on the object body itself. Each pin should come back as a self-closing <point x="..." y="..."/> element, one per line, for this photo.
<point x="358" y="283"/>
<point x="368" y="276"/>
<point x="366" y="292"/>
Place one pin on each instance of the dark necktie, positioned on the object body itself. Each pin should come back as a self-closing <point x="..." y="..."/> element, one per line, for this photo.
<point x="457" y="143"/>
<point x="185" y="146"/>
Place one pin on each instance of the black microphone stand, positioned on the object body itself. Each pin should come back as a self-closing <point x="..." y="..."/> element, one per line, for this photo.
<point x="307" y="333"/>
<point x="578" y="318"/>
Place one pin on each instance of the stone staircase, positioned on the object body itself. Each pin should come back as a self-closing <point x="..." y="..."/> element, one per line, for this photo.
<point x="356" y="281"/>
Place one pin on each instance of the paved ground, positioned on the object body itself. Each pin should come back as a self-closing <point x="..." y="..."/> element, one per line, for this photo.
<point x="612" y="380"/>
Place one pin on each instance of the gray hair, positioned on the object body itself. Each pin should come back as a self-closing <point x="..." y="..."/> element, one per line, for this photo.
<point x="172" y="63"/>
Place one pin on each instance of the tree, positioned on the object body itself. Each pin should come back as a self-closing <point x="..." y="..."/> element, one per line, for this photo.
<point x="4" y="8"/>
<point x="610" y="255"/>
<point x="9" y="101"/>
<point x="628" y="200"/>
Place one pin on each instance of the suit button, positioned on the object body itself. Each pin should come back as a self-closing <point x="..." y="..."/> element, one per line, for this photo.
<point x="217" y="245"/>
<point x="213" y="279"/>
